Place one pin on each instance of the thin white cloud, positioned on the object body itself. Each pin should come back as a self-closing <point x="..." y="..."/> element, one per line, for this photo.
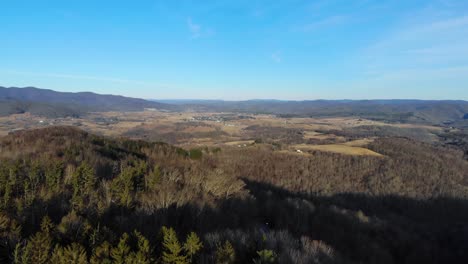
<point x="421" y="74"/>
<point x="197" y="31"/>
<point x="441" y="25"/>
<point x="421" y="44"/>
<point x="85" y="77"/>
<point x="276" y="57"/>
<point x="440" y="83"/>
<point x="325" y="22"/>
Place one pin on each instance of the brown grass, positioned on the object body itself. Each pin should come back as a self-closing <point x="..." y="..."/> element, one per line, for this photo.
<point x="337" y="148"/>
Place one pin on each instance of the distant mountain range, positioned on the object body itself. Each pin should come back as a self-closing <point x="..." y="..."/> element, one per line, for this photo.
<point x="51" y="103"/>
<point x="57" y="104"/>
<point x="419" y="111"/>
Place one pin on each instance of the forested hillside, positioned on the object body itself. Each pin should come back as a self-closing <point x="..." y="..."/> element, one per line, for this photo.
<point x="49" y="103"/>
<point x="67" y="196"/>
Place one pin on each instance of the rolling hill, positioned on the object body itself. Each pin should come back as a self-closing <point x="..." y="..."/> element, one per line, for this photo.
<point x="52" y="103"/>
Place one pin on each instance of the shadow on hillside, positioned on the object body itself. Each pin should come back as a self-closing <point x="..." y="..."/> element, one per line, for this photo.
<point x="361" y="228"/>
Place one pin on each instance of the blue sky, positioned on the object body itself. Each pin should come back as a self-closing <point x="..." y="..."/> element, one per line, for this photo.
<point x="239" y="49"/>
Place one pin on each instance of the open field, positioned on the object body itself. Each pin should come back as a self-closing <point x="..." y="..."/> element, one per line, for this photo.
<point x="191" y="129"/>
<point x="338" y="148"/>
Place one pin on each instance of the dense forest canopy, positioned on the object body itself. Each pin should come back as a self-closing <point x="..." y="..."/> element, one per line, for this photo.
<point x="68" y="196"/>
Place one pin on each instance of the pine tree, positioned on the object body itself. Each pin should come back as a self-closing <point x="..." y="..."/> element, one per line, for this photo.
<point x="192" y="245"/>
<point x="143" y="255"/>
<point x="153" y="179"/>
<point x="38" y="247"/>
<point x="84" y="179"/>
<point x="140" y="170"/>
<point x="53" y="175"/>
<point x="58" y="255"/>
<point x="172" y="253"/>
<point x="265" y="256"/>
<point x="102" y="254"/>
<point x="75" y="254"/>
<point x="35" y="175"/>
<point x="7" y="195"/>
<point x="72" y="254"/>
<point x="47" y="225"/>
<point x="120" y="253"/>
<point x="26" y="254"/>
<point x="17" y="254"/>
<point x="11" y="183"/>
<point x="83" y="183"/>
<point x="123" y="186"/>
<point x="225" y="253"/>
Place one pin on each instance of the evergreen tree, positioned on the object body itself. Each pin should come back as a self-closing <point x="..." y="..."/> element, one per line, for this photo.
<point x="7" y="195"/>
<point x="84" y="179"/>
<point x="102" y="254"/>
<point x="36" y="174"/>
<point x="172" y="253"/>
<point x="47" y="225"/>
<point x="143" y="255"/>
<point x="75" y="254"/>
<point x="11" y="184"/>
<point x="17" y="254"/>
<point x="58" y="255"/>
<point x="140" y="170"/>
<point x="123" y="186"/>
<point x="39" y="246"/>
<point x="53" y="175"/>
<point x="120" y="253"/>
<point x="72" y="254"/>
<point x="25" y="255"/>
<point x="153" y="179"/>
<point x="265" y="256"/>
<point x="192" y="245"/>
<point x="83" y="182"/>
<point x="225" y="253"/>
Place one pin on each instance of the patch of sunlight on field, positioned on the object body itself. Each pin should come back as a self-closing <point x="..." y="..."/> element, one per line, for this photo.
<point x="242" y="142"/>
<point x="338" y="148"/>
<point x="359" y="142"/>
<point x="320" y="136"/>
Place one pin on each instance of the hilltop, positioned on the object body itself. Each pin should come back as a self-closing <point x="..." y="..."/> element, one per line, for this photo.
<point x="51" y="103"/>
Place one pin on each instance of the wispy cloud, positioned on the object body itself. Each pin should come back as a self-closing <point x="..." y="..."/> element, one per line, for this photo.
<point x="84" y="77"/>
<point x="420" y="44"/>
<point x="325" y="22"/>
<point x="196" y="30"/>
<point x="276" y="57"/>
<point x="439" y="83"/>
<point x="448" y="24"/>
<point x="423" y="51"/>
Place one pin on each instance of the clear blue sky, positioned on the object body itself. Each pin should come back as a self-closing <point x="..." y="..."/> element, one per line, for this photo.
<point x="239" y="49"/>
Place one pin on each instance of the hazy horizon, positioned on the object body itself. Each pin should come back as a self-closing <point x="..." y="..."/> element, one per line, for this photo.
<point x="240" y="50"/>
<point x="241" y="100"/>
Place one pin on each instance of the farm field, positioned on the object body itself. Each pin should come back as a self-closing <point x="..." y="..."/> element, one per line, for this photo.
<point x="194" y="129"/>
